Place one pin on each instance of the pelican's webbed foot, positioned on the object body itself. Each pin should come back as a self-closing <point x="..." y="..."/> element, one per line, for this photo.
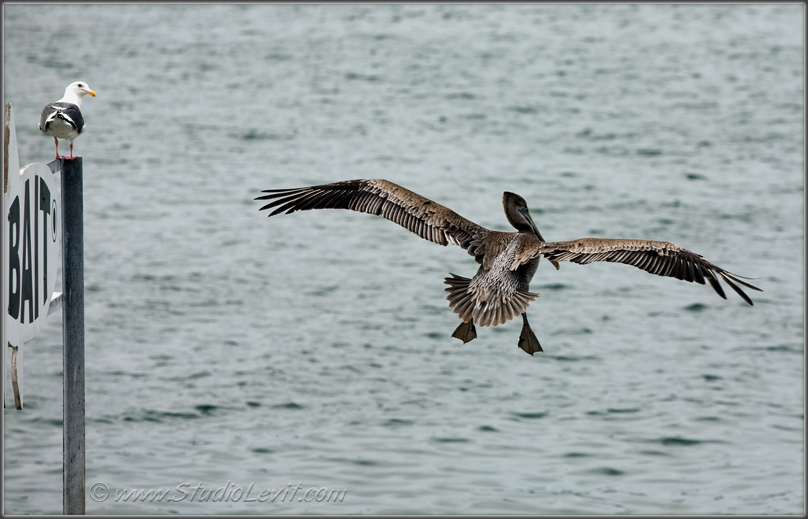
<point x="466" y="332"/>
<point x="527" y="339"/>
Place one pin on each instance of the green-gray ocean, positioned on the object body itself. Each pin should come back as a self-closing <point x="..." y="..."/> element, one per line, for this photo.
<point x="225" y="349"/>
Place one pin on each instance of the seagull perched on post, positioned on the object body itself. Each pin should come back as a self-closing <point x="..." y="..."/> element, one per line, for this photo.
<point x="62" y="119"/>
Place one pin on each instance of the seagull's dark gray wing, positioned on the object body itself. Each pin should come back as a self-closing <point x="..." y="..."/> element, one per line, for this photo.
<point x="68" y="112"/>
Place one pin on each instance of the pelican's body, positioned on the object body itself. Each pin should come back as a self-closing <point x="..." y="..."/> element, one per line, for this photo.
<point x="499" y="291"/>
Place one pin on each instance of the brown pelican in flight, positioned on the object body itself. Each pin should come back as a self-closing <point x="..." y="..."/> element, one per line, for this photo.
<point x="498" y="292"/>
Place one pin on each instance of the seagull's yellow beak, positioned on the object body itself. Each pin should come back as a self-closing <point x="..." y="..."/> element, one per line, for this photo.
<point x="91" y="92"/>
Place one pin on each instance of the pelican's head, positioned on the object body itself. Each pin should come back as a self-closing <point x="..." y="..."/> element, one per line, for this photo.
<point x="518" y="214"/>
<point x="75" y="91"/>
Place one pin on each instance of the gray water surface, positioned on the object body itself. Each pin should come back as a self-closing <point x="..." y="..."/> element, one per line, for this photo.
<point x="225" y="348"/>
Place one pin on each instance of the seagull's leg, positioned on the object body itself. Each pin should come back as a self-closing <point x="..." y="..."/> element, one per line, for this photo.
<point x="466" y="332"/>
<point x="528" y="340"/>
<point x="57" y="147"/>
<point x="71" y="151"/>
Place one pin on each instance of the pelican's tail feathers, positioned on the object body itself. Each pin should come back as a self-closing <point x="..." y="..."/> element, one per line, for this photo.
<point x="473" y="305"/>
<point x="460" y="300"/>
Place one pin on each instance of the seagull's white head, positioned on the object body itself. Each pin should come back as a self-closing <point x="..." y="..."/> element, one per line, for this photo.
<point x="75" y="91"/>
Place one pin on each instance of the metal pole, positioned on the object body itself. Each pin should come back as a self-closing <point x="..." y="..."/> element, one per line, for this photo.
<point x="73" y="335"/>
<point x="3" y="223"/>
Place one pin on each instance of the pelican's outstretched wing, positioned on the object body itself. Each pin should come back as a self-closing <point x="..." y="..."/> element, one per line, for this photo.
<point x="418" y="214"/>
<point x="657" y="257"/>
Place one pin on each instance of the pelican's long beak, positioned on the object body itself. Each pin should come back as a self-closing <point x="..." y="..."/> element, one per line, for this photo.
<point x="526" y="213"/>
<point x="91" y="92"/>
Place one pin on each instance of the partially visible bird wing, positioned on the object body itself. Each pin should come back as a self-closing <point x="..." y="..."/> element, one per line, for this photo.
<point x="416" y="213"/>
<point x="657" y="257"/>
<point x="67" y="112"/>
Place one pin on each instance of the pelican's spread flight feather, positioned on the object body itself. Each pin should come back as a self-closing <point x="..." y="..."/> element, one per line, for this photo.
<point x="63" y="119"/>
<point x="499" y="291"/>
